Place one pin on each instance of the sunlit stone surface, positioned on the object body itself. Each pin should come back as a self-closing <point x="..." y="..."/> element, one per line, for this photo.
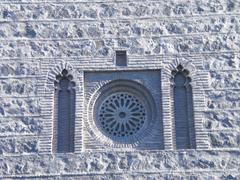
<point x="39" y="39"/>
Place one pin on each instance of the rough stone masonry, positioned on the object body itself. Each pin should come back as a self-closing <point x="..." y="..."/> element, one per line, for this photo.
<point x="39" y="39"/>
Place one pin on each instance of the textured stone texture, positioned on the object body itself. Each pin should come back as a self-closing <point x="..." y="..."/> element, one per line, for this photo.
<point x="134" y="165"/>
<point x="38" y="35"/>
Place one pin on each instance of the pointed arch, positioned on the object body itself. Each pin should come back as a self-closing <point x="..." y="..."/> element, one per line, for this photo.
<point x="184" y="129"/>
<point x="64" y="102"/>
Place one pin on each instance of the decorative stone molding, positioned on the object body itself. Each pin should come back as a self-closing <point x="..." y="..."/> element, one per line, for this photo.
<point x="168" y="104"/>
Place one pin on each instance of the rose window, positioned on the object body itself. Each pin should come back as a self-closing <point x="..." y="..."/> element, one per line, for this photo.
<point x="122" y="114"/>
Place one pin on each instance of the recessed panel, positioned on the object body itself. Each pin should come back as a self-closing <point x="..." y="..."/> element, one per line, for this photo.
<point x="123" y="110"/>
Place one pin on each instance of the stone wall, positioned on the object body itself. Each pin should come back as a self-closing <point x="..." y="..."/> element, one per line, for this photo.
<point x="128" y="165"/>
<point x="37" y="37"/>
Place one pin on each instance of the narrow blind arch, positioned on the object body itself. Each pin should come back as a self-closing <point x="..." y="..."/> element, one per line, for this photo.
<point x="64" y="113"/>
<point x="183" y="109"/>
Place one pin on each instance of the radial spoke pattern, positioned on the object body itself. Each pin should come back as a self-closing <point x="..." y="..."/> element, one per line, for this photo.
<point x="122" y="115"/>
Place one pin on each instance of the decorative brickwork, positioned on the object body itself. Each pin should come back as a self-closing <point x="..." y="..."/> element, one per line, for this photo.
<point x="198" y="103"/>
<point x="39" y="39"/>
<point x="48" y="139"/>
<point x="124" y="111"/>
<point x="121" y="112"/>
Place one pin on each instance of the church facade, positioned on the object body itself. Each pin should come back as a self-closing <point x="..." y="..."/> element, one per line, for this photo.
<point x="120" y="89"/>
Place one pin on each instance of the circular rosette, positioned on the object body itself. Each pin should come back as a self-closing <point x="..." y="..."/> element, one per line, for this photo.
<point x="122" y="114"/>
